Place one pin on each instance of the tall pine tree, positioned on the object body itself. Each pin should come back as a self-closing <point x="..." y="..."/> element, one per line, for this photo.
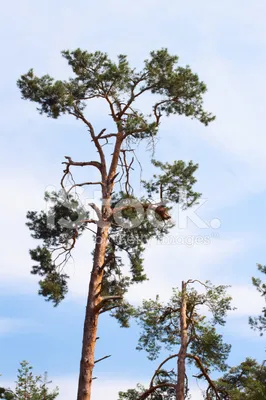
<point x="175" y="90"/>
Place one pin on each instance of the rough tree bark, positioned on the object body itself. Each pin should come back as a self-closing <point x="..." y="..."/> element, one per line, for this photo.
<point x="91" y="318"/>
<point x="95" y="301"/>
<point x="181" y="363"/>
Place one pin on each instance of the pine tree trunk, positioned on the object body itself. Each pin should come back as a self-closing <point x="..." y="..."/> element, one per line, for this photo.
<point x="91" y="317"/>
<point x="94" y="296"/>
<point x="181" y="364"/>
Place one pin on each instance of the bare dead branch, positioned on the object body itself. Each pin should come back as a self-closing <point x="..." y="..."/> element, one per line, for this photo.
<point x="84" y="184"/>
<point x="196" y="280"/>
<point x="65" y="173"/>
<point x="91" y="230"/>
<point x="89" y="221"/>
<point x="127" y="167"/>
<point x="70" y="163"/>
<point x="101" y="359"/>
<point x="123" y="172"/>
<point x="102" y="136"/>
<point x="82" y="163"/>
<point x="108" y="136"/>
<point x="96" y="209"/>
<point x="101" y="133"/>
<point x="139" y="163"/>
<point x="66" y="251"/>
<point x="161" y="191"/>
<point x="79" y="115"/>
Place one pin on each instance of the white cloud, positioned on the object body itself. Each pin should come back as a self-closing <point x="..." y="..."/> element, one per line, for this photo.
<point x="240" y="328"/>
<point x="17" y="325"/>
<point x="168" y="265"/>
<point x="236" y="86"/>
<point x="22" y="192"/>
<point x="246" y="299"/>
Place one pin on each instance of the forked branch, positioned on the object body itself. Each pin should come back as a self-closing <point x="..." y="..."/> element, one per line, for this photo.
<point x="160" y="366"/>
<point x="70" y="163"/>
<point x="205" y="374"/>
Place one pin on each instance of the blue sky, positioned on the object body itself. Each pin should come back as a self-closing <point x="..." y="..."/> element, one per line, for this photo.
<point x="224" y="42"/>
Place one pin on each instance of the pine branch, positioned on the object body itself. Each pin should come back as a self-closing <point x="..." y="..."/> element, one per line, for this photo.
<point x="160" y="366"/>
<point x="204" y="372"/>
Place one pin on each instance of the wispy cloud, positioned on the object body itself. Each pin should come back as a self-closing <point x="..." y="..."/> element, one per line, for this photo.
<point x="17" y="325"/>
<point x="224" y="42"/>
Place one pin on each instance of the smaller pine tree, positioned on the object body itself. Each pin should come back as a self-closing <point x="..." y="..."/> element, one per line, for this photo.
<point x="29" y="387"/>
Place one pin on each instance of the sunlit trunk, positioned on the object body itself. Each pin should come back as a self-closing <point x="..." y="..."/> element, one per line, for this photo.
<point x="91" y="317"/>
<point x="181" y="363"/>
<point x="94" y="296"/>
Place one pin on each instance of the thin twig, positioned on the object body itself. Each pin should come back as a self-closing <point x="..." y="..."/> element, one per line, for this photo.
<point x="101" y="359"/>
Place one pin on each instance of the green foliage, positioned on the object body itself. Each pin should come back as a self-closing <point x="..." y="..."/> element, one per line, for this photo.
<point x="130" y="241"/>
<point x="247" y="381"/>
<point x="122" y="313"/>
<point x="180" y="87"/>
<point x="160" y="325"/>
<point x="29" y="386"/>
<point x="57" y="229"/>
<point x="54" y="285"/>
<point x="162" y="392"/>
<point x="96" y="76"/>
<point x="209" y="346"/>
<point x="175" y="184"/>
<point x="131" y="394"/>
<point x="177" y="90"/>
<point x="64" y="221"/>
<point x="259" y="323"/>
<point x="62" y="224"/>
<point x="159" y="394"/>
<point x="161" y="329"/>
